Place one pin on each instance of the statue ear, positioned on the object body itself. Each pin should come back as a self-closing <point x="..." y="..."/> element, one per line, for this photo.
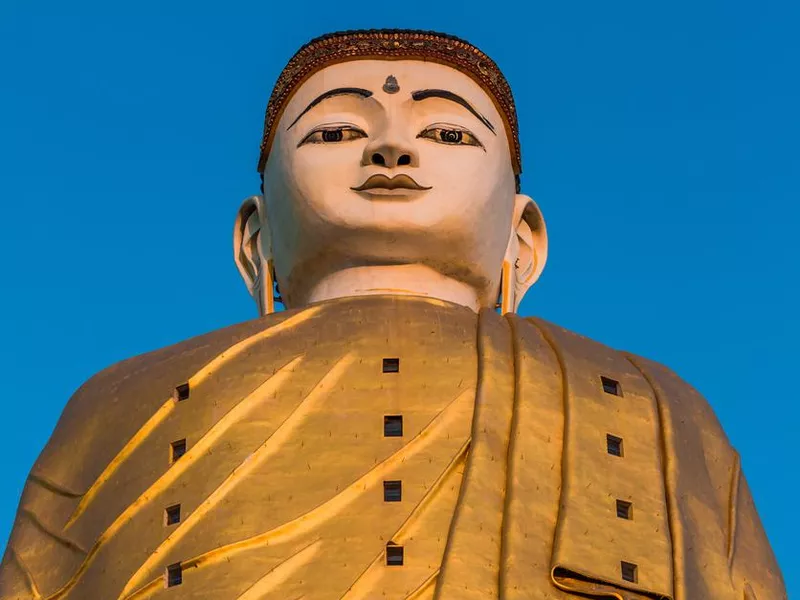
<point x="252" y="252"/>
<point x="526" y="253"/>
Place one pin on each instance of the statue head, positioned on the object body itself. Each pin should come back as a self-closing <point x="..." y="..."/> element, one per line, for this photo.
<point x="390" y="165"/>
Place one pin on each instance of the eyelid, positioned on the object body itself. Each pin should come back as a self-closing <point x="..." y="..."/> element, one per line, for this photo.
<point x="335" y="125"/>
<point x="443" y="125"/>
<point x="330" y="127"/>
<point x="454" y="127"/>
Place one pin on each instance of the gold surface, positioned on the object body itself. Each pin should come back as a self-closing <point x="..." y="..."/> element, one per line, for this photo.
<point x="592" y="540"/>
<point x="508" y="490"/>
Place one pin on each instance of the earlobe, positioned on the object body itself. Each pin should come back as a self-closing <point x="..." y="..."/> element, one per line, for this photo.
<point x="252" y="252"/>
<point x="526" y="253"/>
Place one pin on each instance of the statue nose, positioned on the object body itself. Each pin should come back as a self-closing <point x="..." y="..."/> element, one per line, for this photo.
<point x="390" y="150"/>
<point x="379" y="158"/>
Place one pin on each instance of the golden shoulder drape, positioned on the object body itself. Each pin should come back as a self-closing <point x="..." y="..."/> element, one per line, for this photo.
<point x="502" y="483"/>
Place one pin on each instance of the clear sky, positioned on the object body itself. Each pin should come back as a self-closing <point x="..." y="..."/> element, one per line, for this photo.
<point x="660" y="140"/>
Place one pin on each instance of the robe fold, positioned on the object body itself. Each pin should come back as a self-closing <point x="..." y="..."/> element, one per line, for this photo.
<point x="388" y="447"/>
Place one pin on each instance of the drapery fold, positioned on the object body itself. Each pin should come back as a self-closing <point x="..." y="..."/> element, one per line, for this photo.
<point x="471" y="564"/>
<point x="654" y="519"/>
<point x="534" y="463"/>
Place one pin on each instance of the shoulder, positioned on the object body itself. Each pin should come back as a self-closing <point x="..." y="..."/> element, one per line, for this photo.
<point x="107" y="410"/>
<point x="111" y="407"/>
<point x="675" y="396"/>
<point x="692" y="436"/>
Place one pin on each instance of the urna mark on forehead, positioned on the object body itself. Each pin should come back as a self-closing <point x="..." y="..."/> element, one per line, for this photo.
<point x="386" y="83"/>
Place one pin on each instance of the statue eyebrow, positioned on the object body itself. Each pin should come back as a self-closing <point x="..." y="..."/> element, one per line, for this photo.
<point x="330" y="94"/>
<point x="444" y="94"/>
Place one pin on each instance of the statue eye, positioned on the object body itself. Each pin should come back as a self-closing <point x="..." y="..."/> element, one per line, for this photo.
<point x="333" y="135"/>
<point x="450" y="136"/>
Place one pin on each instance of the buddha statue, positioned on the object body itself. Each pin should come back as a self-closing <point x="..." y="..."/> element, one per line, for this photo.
<point x="398" y="431"/>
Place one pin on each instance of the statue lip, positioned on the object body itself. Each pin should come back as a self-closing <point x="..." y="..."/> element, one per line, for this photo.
<point x="381" y="181"/>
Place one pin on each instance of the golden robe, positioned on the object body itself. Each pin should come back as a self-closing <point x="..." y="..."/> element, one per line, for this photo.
<point x="533" y="464"/>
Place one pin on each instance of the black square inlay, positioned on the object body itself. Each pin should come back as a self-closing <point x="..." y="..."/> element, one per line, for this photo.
<point x="394" y="555"/>
<point x="182" y="392"/>
<point x="393" y="426"/>
<point x="173" y="514"/>
<point x="174" y="575"/>
<point x="391" y="365"/>
<point x="392" y="491"/>
<point x="624" y="510"/>
<point x="614" y="444"/>
<point x="178" y="449"/>
<point x="629" y="571"/>
<point x="611" y="386"/>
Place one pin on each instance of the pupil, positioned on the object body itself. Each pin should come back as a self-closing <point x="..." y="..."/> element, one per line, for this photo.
<point x="450" y="136"/>
<point x="334" y="135"/>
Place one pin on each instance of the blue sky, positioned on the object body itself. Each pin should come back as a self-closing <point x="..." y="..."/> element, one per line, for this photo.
<point x="660" y="140"/>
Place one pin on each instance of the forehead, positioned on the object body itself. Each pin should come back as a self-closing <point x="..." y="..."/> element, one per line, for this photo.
<point x="411" y="75"/>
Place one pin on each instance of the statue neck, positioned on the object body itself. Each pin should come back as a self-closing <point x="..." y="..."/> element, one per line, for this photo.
<point x="401" y="280"/>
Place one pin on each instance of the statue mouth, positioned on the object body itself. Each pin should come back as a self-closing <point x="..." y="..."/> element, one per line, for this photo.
<point x="382" y="182"/>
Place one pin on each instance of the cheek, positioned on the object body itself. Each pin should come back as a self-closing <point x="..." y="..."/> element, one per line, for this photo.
<point x="321" y="178"/>
<point x="470" y="185"/>
<point x="317" y="168"/>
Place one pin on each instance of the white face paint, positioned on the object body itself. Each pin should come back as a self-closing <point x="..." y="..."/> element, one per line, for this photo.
<point x="372" y="178"/>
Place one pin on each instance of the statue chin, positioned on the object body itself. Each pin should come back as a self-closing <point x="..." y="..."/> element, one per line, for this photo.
<point x="398" y="431"/>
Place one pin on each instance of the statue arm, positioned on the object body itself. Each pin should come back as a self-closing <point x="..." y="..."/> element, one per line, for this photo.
<point x="48" y="545"/>
<point x="14" y="583"/>
<point x="42" y="552"/>
<point x="40" y="555"/>
<point x="721" y="543"/>
<point x="753" y="565"/>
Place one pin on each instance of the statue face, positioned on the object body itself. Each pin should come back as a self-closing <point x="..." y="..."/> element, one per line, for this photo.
<point x="389" y="163"/>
